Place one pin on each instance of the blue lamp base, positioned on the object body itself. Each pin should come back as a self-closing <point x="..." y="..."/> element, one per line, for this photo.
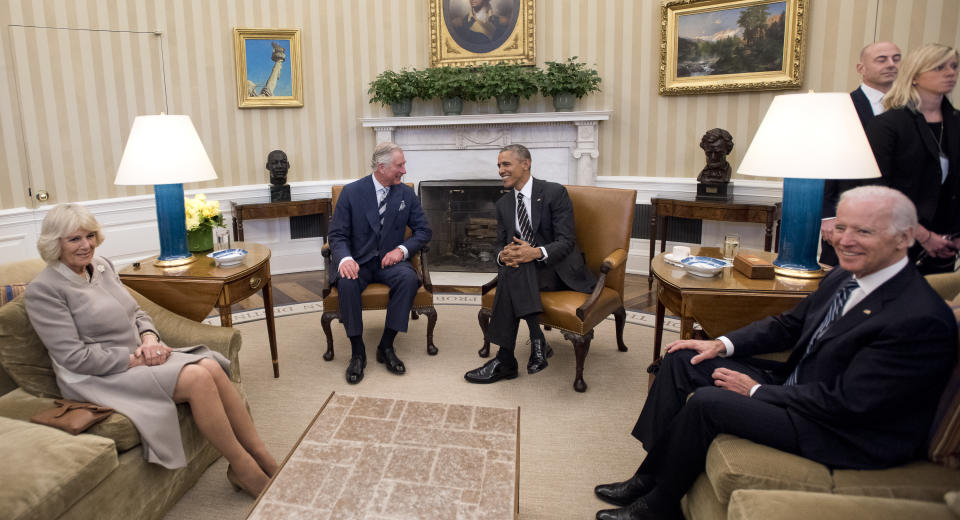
<point x="172" y="224"/>
<point x="800" y="229"/>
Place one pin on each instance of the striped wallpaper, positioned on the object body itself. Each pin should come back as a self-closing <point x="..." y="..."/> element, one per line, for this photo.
<point x="72" y="94"/>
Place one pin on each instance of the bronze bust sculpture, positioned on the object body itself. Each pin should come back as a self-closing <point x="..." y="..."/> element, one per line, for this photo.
<point x="714" y="179"/>
<point x="277" y="165"/>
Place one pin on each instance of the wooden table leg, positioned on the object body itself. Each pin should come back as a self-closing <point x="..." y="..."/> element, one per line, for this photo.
<point x="768" y="237"/>
<point x="226" y="316"/>
<point x="271" y="328"/>
<point x="653" y="245"/>
<point x="658" y="330"/>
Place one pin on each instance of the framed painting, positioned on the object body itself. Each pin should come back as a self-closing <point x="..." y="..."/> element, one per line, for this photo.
<point x="268" y="67"/>
<point x="731" y="45"/>
<point x="474" y="32"/>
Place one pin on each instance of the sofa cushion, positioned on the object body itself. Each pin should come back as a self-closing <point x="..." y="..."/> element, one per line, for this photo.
<point x="22" y="354"/>
<point x="10" y="291"/>
<point x="952" y="498"/>
<point x="749" y="504"/>
<point x="735" y="463"/>
<point x="920" y="480"/>
<point x="21" y="405"/>
<point x="45" y="470"/>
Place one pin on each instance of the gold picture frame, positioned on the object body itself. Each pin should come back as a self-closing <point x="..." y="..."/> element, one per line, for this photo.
<point x="710" y="46"/>
<point x="262" y="79"/>
<point x="501" y="31"/>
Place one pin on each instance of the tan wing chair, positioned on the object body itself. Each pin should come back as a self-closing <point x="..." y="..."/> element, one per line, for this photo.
<point x="376" y="295"/>
<point x="604" y="219"/>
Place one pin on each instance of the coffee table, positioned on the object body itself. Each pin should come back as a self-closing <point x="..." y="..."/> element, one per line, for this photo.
<point x="377" y="458"/>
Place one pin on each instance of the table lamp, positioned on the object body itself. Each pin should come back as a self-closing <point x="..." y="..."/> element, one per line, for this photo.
<point x="806" y="138"/>
<point x="165" y="151"/>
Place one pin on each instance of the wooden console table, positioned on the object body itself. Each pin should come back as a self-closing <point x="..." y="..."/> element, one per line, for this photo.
<point x="192" y="290"/>
<point x="293" y="208"/>
<point x="740" y="209"/>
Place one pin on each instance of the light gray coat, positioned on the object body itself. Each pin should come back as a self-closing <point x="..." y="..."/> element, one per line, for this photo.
<point x="90" y="327"/>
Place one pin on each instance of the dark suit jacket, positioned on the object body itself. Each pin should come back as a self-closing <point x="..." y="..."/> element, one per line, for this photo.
<point x="553" y="229"/>
<point x="866" y="395"/>
<point x="833" y="188"/>
<point x="355" y="229"/>
<point x="907" y="154"/>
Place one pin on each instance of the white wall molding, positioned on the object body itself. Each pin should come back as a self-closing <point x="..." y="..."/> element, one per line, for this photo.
<point x="129" y="223"/>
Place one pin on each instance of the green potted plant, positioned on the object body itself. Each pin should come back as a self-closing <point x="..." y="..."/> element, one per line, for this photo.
<point x="568" y="81"/>
<point x="453" y="85"/>
<point x="396" y="89"/>
<point x="508" y="82"/>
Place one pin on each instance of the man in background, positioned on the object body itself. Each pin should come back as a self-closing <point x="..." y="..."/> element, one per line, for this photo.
<point x="878" y="67"/>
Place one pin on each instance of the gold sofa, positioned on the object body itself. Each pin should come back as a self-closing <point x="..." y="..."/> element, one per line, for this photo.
<point x="746" y="481"/>
<point x="47" y="473"/>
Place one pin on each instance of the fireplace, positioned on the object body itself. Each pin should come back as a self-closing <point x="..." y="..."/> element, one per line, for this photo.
<point x="464" y="223"/>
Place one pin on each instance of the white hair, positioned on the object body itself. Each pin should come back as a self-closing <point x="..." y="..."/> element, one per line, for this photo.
<point x="383" y="154"/>
<point x="903" y="213"/>
<point x="60" y="222"/>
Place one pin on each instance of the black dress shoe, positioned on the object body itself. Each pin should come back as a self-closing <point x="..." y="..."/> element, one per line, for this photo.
<point x="539" y="352"/>
<point x="626" y="492"/>
<point x="389" y="357"/>
<point x="355" y="370"/>
<point x="492" y="371"/>
<point x="638" y="510"/>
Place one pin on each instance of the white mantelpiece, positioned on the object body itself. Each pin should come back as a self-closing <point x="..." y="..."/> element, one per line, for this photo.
<point x="564" y="145"/>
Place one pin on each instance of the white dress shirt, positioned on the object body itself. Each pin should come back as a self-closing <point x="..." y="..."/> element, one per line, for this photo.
<point x="875" y="97"/>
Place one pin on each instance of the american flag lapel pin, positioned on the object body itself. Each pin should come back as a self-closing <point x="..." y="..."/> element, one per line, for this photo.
<point x="866" y="311"/>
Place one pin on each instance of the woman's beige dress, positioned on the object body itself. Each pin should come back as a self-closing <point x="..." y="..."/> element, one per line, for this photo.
<point x="90" y="326"/>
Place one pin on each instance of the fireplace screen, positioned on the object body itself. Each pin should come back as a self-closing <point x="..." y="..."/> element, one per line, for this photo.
<point x="464" y="223"/>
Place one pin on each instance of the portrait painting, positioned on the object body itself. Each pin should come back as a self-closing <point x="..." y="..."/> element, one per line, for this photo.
<point x="731" y="45"/>
<point x="472" y="32"/>
<point x="268" y="68"/>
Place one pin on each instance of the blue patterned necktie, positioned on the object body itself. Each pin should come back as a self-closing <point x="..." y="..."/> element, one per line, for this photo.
<point x="382" y="203"/>
<point x="526" y="230"/>
<point x="833" y="313"/>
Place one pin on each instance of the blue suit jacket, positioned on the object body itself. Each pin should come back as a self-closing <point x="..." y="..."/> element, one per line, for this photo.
<point x="867" y="393"/>
<point x="355" y="229"/>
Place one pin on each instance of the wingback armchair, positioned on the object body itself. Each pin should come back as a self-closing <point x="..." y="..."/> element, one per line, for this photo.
<point x="376" y="295"/>
<point x="603" y="218"/>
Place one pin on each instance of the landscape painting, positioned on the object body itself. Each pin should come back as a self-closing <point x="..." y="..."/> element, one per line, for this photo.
<point x="716" y="46"/>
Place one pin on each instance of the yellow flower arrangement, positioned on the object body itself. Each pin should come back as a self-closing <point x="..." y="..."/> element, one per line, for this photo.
<point x="202" y="213"/>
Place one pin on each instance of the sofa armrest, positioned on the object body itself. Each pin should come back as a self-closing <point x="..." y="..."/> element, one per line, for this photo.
<point x="750" y="504"/>
<point x="177" y="331"/>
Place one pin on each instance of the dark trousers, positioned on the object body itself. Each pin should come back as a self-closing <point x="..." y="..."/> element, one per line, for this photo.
<point x="403" y="283"/>
<point x="676" y="431"/>
<point x="518" y="295"/>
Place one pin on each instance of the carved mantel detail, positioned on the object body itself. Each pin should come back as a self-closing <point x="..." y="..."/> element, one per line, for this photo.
<point x="564" y="145"/>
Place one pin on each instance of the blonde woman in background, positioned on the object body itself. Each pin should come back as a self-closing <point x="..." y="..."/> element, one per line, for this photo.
<point x="917" y="146"/>
<point x="106" y="350"/>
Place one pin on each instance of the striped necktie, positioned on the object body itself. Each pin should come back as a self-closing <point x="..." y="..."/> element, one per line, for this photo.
<point x="833" y="313"/>
<point x="526" y="230"/>
<point x="382" y="203"/>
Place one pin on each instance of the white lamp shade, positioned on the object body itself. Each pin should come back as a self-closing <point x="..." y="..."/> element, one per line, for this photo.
<point x="164" y="149"/>
<point x="810" y="136"/>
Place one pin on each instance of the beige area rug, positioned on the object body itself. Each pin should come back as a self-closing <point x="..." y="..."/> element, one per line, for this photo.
<point x="569" y="442"/>
<point x="421" y="460"/>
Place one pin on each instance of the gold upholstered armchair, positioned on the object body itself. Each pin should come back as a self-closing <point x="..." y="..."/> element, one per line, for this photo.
<point x="603" y="218"/>
<point x="376" y="295"/>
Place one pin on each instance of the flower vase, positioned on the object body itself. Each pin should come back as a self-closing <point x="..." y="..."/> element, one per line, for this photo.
<point x="200" y="239"/>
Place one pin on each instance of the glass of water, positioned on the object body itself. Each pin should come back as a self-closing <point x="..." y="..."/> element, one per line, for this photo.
<point x="731" y="246"/>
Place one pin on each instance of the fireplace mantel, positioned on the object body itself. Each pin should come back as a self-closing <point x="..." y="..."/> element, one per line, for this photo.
<point x="564" y="145"/>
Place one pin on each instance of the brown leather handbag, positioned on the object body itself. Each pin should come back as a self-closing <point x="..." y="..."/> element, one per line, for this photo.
<point x="71" y="416"/>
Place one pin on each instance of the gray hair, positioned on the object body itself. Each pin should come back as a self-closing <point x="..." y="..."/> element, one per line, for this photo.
<point x="383" y="154"/>
<point x="62" y="220"/>
<point x="518" y="149"/>
<point x="903" y="214"/>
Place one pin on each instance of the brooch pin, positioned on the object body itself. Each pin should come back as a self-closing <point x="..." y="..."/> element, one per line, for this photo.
<point x="403" y="204"/>
<point x="100" y="268"/>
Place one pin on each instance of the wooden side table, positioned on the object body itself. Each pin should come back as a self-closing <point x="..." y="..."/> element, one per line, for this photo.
<point x="293" y="208"/>
<point x="724" y="302"/>
<point x="740" y="209"/>
<point x="192" y="290"/>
